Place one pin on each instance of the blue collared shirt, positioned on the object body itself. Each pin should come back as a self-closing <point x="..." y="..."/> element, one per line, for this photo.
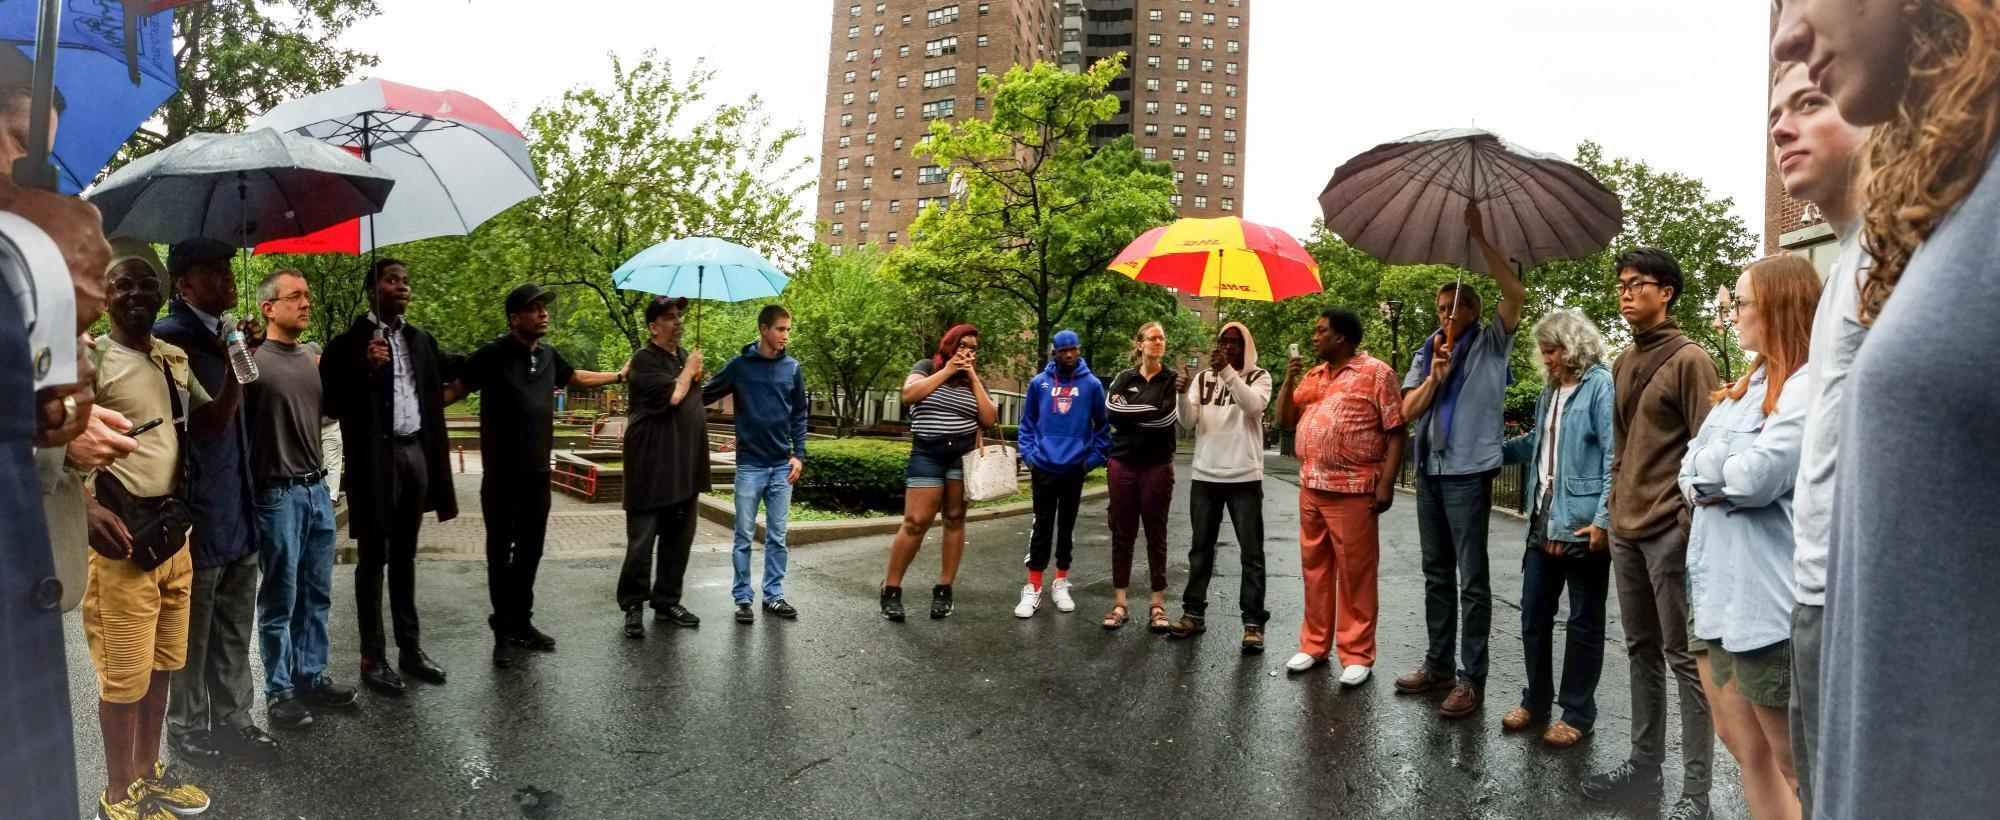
<point x="1739" y="554"/>
<point x="1474" y="444"/>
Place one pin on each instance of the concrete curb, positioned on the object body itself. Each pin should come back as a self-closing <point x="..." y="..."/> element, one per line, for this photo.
<point x="815" y="532"/>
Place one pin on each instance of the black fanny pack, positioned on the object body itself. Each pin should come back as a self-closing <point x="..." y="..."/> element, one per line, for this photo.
<point x="158" y="524"/>
<point x="954" y="446"/>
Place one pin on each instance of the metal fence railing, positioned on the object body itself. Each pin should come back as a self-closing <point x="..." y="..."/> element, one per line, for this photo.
<point x="1510" y="487"/>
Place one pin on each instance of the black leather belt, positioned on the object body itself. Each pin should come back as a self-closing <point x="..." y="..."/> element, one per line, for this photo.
<point x="314" y="477"/>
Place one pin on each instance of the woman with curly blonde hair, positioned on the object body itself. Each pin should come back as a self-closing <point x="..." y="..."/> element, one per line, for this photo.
<point x="1908" y="723"/>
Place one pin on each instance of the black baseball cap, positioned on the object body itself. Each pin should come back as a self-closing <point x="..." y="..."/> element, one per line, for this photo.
<point x="527" y="295"/>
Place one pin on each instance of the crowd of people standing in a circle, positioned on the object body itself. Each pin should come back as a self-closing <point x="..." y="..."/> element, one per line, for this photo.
<point x="1800" y="552"/>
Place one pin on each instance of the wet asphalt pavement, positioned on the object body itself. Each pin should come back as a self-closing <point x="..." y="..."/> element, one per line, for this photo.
<point x="840" y="714"/>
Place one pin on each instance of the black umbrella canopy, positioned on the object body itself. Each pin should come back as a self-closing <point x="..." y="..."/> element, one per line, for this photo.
<point x="1404" y="201"/>
<point x="242" y="189"/>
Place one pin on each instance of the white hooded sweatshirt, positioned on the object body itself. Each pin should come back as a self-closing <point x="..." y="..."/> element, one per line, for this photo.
<point x="1226" y="411"/>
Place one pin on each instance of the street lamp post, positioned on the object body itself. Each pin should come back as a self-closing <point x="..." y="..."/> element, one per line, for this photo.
<point x="1392" y="312"/>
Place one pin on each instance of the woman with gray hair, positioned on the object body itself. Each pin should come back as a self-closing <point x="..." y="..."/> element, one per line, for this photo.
<point x="1569" y="454"/>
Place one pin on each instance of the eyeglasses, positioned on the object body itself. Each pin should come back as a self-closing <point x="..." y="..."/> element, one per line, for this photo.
<point x="1736" y="308"/>
<point x="148" y="285"/>
<point x="1625" y="287"/>
<point x="296" y="297"/>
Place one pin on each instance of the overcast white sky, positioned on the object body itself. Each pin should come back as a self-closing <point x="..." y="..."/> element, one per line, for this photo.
<point x="1679" y="85"/>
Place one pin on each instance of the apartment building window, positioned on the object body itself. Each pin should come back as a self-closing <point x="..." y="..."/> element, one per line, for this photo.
<point x="939" y="17"/>
<point x="1234" y="21"/>
<point x="874" y="56"/>
<point x="1152" y="106"/>
<point x="1175" y="199"/>
<point x="843" y="142"/>
<point x="1155" y="15"/>
<point x="1181" y="86"/>
<point x="1229" y="90"/>
<point x="1229" y="157"/>
<point x="1152" y="83"/>
<point x="1179" y="154"/>
<point x="870" y="139"/>
<point x="840" y="206"/>
<point x="895" y="173"/>
<point x="871" y="118"/>
<point x="1202" y="133"/>
<point x="874" y="96"/>
<point x="892" y="237"/>
<point x="873" y="74"/>
<point x="862" y="228"/>
<point x="981" y="71"/>
<point x="1181" y="109"/>
<point x="837" y="249"/>
<point x="1208" y="18"/>
<point x="836" y="229"/>
<point x="1229" y="68"/>
<point x="1233" y="47"/>
<point x="840" y="184"/>
<point x="940" y="77"/>
<point x="1200" y="178"/>
<point x="903" y="80"/>
<point x="854" y="11"/>
<point x="906" y="20"/>
<point x="982" y="41"/>
<point x="1150" y="153"/>
<point x="1228" y="203"/>
<point x="979" y="103"/>
<point x="840" y="164"/>
<point x="853" y="55"/>
<point x="1207" y="110"/>
<point x="984" y="8"/>
<point x="865" y="204"/>
<point x="1229" y="112"/>
<point x="1153" y="39"/>
<point x="881" y="8"/>
<point x="868" y="161"/>
<point x="1151" y="130"/>
<point x="1207" y="66"/>
<point x="941" y="108"/>
<point x="1201" y="202"/>
<point x="867" y="183"/>
<point x="846" y="120"/>
<point x="1184" y="41"/>
<point x="1180" y="131"/>
<point x="1229" y="135"/>
<point x="848" y="77"/>
<point x="1201" y="155"/>
<point x="1207" y="87"/>
<point x="878" y="33"/>
<point x="1208" y="44"/>
<point x="897" y="144"/>
<point x="903" y="51"/>
<point x="930" y="175"/>
<point x="847" y="98"/>
<point x="1153" y="62"/>
<point x="1180" y="177"/>
<point x="895" y="206"/>
<point x="853" y="32"/>
<point x="1187" y="17"/>
<point x="1228" y="181"/>
<point x="899" y="112"/>
<point x="1181" y="63"/>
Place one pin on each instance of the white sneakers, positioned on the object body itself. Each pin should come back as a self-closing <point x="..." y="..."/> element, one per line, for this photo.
<point x="1301" y="662"/>
<point x="1064" y="603"/>
<point x="1031" y="600"/>
<point x="1354" y="675"/>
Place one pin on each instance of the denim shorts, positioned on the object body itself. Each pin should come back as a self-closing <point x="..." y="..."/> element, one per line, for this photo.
<point x="931" y="468"/>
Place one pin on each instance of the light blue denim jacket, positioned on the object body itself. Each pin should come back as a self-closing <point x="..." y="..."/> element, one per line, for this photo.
<point x="1583" y="458"/>
<point x="1739" y="554"/>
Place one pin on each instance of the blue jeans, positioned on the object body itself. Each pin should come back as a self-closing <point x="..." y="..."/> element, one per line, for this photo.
<point x="296" y="554"/>
<point x="769" y="485"/>
<point x="1543" y="579"/>
<point x="1451" y="523"/>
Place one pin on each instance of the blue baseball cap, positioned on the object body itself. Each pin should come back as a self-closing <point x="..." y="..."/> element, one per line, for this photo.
<point x="1065" y="339"/>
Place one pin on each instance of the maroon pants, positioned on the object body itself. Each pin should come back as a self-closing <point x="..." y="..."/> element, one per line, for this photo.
<point x="1139" y="494"/>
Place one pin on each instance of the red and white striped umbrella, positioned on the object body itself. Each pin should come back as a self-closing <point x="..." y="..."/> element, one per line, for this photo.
<point x="456" y="161"/>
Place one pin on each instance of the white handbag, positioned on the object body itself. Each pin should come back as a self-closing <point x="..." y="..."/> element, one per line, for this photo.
<point x="991" y="472"/>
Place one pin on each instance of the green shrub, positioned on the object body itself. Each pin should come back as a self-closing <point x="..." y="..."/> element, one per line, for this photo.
<point x="855" y="474"/>
<point x="1010" y="432"/>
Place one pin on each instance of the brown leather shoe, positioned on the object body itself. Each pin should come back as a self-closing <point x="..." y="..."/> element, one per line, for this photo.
<point x="1517" y="719"/>
<point x="1561" y="735"/>
<point x="1422" y="681"/>
<point x="1253" y="638"/>
<point x="1462" y="701"/>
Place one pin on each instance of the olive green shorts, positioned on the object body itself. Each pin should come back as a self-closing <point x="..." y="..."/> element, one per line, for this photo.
<point x="1763" y="676"/>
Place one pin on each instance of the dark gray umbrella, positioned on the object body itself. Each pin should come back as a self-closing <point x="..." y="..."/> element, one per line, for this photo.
<point x="1404" y="202"/>
<point x="242" y="189"/>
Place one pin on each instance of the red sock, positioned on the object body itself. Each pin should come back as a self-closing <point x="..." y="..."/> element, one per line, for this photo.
<point x="1062" y="575"/>
<point x="1035" y="579"/>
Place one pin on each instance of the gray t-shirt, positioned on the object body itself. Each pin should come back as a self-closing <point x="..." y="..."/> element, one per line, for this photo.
<point x="1908" y="727"/>
<point x="1836" y="336"/>
<point x="285" y="404"/>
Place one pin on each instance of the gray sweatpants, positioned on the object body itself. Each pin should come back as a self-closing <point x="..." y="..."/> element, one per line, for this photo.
<point x="1804" y="708"/>
<point x="1651" y="574"/>
<point x="214" y="691"/>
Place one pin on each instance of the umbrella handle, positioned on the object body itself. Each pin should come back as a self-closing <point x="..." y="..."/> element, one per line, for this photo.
<point x="35" y="170"/>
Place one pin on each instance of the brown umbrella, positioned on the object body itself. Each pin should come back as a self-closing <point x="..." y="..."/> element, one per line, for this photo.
<point x="1404" y="202"/>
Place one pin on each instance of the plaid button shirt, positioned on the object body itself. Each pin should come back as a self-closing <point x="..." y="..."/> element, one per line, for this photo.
<point x="1344" y="419"/>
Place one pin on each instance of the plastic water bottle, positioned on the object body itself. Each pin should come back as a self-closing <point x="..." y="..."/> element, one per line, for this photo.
<point x="240" y="360"/>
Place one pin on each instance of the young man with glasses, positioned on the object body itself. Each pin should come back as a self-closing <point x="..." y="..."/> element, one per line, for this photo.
<point x="1661" y="386"/>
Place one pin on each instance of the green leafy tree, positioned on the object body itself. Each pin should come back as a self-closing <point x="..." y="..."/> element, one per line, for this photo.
<point x="651" y="157"/>
<point x="1042" y="210"/>
<point x="850" y="326"/>
<point x="238" y="58"/>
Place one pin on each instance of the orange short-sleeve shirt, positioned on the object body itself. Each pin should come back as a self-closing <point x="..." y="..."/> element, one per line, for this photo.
<point x="1344" y="421"/>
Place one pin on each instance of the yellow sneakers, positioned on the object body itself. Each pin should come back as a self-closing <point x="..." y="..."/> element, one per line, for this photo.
<point x="171" y="794"/>
<point x="137" y="805"/>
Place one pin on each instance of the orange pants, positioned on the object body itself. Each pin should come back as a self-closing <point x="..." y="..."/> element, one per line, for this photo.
<point x="1339" y="550"/>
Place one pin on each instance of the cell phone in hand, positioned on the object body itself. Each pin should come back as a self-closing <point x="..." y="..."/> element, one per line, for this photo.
<point x="135" y="431"/>
<point x="1295" y="350"/>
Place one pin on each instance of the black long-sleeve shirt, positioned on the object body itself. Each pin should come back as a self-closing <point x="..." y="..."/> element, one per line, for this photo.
<point x="1143" y="414"/>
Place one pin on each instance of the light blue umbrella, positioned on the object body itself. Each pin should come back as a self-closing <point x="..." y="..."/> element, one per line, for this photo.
<point x="701" y="267"/>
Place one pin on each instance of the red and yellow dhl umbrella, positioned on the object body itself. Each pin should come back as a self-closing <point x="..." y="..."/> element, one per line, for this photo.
<point x="1225" y="257"/>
